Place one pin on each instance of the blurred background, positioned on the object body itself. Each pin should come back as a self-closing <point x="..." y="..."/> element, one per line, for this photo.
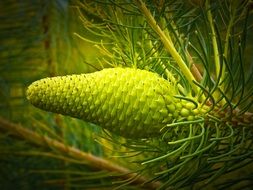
<point x="37" y="40"/>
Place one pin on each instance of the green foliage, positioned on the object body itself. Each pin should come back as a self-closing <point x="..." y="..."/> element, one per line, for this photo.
<point x="202" y="47"/>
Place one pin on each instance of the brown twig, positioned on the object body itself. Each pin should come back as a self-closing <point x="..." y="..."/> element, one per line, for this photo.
<point x="93" y="161"/>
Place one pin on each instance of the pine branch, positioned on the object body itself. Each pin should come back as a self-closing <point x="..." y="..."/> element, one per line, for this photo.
<point x="168" y="44"/>
<point x="127" y="35"/>
<point x="93" y="161"/>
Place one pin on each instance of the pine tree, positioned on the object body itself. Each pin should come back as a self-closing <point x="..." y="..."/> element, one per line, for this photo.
<point x="186" y="65"/>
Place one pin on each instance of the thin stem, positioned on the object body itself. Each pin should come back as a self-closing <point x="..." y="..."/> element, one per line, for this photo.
<point x="168" y="74"/>
<point x="226" y="45"/>
<point x="168" y="44"/>
<point x="93" y="161"/>
<point x="215" y="52"/>
<point x="214" y="41"/>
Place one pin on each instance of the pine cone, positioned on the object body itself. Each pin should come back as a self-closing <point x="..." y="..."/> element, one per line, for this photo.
<point x="130" y="102"/>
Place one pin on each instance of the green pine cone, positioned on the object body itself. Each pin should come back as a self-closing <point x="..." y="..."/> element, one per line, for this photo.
<point x="130" y="102"/>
